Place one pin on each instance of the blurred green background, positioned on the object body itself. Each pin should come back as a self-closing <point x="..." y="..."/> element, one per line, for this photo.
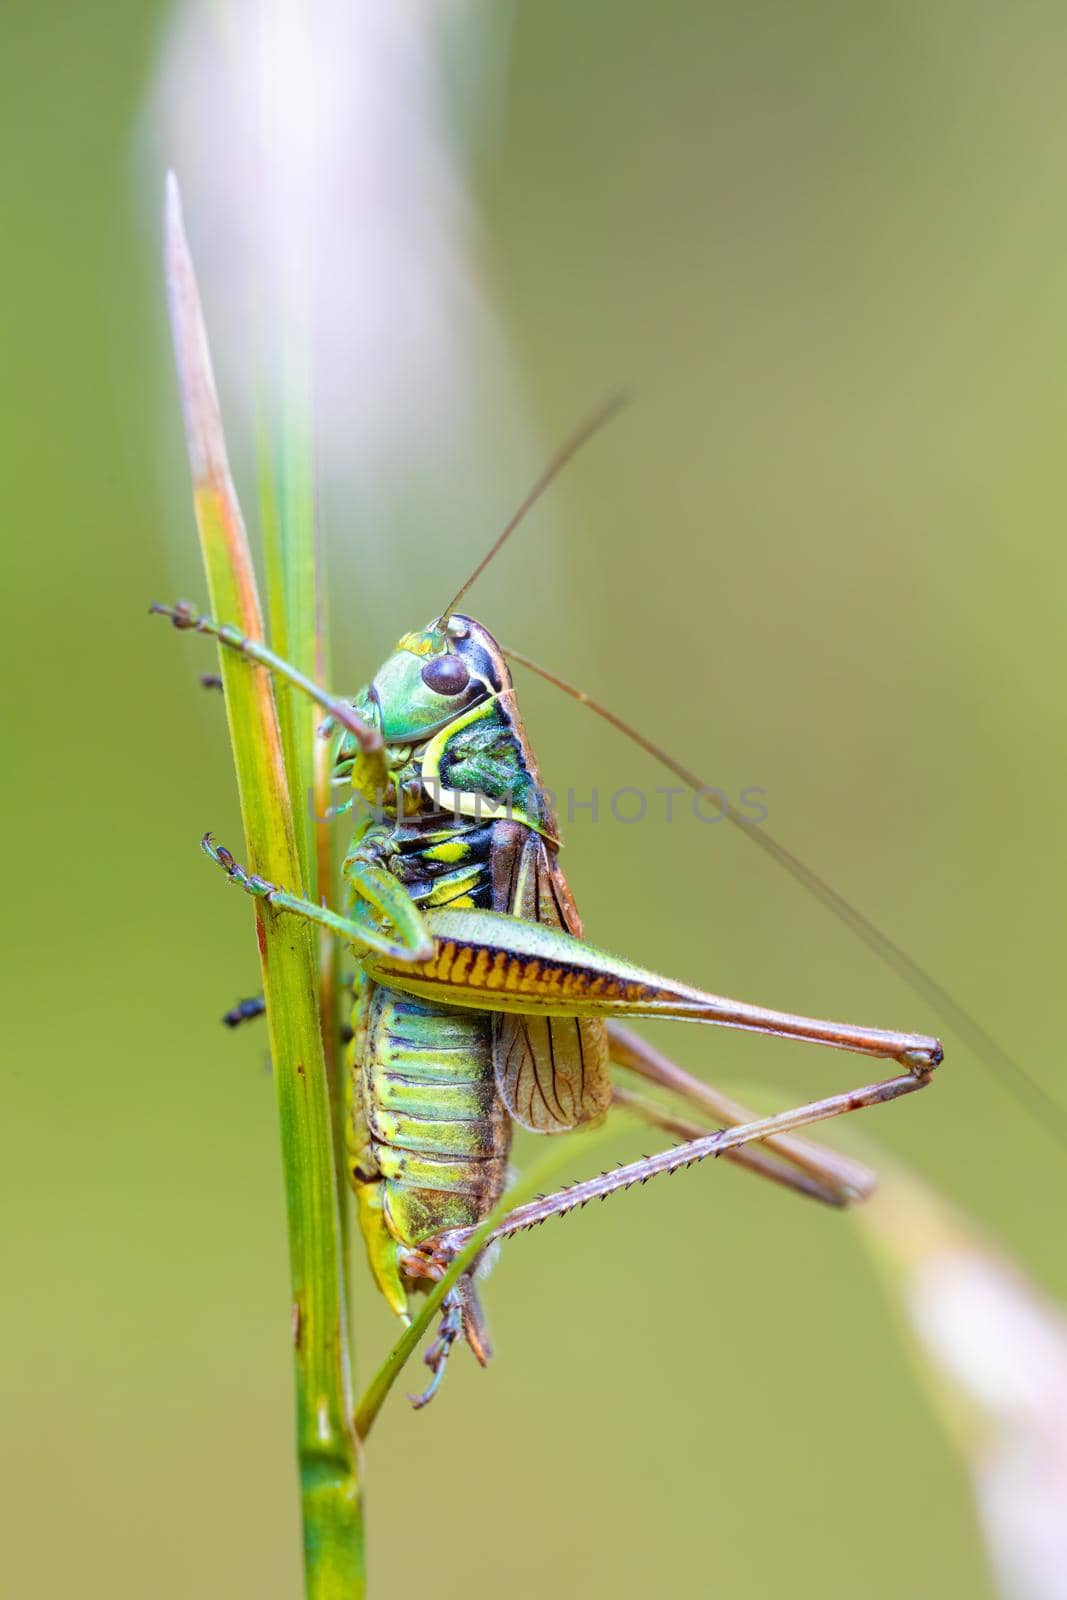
<point x="822" y="553"/>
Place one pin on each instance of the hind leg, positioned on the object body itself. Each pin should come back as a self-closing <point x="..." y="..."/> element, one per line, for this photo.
<point x="798" y="1164"/>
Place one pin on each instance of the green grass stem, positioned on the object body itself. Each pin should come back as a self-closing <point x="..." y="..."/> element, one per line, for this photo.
<point x="326" y="1441"/>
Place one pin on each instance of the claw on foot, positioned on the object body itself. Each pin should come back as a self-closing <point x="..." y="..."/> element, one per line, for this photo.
<point x="461" y="1314"/>
<point x="437" y="1355"/>
<point x="182" y="615"/>
<point x="249" y="881"/>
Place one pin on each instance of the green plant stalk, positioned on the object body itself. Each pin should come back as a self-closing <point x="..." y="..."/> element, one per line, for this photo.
<point x="296" y="603"/>
<point x="328" y="1450"/>
<point x="288" y="512"/>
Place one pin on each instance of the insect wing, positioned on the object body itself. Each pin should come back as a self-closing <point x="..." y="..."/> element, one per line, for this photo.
<point x="552" y="1072"/>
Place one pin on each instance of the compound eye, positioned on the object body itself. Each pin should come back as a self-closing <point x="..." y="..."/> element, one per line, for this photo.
<point x="445" y="674"/>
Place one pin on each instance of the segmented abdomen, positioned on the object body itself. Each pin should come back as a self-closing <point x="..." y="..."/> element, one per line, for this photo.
<point x="439" y="1132"/>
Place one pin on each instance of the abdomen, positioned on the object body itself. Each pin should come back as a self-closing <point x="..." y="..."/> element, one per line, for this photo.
<point x="439" y="1131"/>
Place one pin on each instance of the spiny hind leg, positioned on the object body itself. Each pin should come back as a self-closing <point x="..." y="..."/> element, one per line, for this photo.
<point x="794" y="1162"/>
<point x="758" y="1131"/>
<point x="760" y="1162"/>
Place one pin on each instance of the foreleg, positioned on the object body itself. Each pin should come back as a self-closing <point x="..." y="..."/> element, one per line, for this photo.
<point x="376" y="886"/>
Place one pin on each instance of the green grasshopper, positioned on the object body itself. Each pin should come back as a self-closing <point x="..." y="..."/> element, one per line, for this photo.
<point x="479" y="1003"/>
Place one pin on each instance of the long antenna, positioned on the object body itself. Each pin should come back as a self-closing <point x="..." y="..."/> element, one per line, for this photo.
<point x="1026" y="1089"/>
<point x="565" y="453"/>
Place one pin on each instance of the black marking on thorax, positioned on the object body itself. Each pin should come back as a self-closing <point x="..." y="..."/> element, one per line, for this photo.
<point x="430" y="847"/>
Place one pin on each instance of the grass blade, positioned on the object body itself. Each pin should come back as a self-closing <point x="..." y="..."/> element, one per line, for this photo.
<point x="327" y="1446"/>
<point x="297" y="609"/>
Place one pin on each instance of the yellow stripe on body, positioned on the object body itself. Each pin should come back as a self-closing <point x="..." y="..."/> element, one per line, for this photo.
<point x="449" y="850"/>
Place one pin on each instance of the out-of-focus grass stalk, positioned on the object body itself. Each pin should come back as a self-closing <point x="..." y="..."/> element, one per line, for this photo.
<point x="326" y="1440"/>
<point x="992" y="1352"/>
